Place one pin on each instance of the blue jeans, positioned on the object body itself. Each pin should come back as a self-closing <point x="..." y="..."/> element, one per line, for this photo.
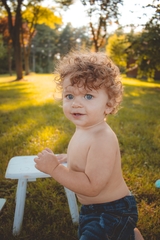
<point x="108" y="221"/>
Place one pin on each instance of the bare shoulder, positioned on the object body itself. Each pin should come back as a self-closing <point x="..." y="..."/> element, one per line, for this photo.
<point x="107" y="135"/>
<point x="105" y="143"/>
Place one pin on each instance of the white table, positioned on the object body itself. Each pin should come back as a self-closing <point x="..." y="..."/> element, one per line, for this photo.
<point x="23" y="169"/>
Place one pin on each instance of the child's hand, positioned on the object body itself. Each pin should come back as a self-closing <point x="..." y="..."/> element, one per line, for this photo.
<point x="46" y="161"/>
<point x="62" y="158"/>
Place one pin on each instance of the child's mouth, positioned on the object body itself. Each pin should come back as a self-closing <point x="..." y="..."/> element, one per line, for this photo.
<point x="77" y="114"/>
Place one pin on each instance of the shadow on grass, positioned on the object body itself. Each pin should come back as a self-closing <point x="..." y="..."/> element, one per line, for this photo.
<point x="17" y="91"/>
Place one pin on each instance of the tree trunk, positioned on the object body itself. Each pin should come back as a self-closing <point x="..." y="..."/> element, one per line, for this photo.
<point x="26" y="62"/>
<point x="14" y="30"/>
<point x="96" y="47"/>
<point x="9" y="48"/>
<point x="18" y="61"/>
<point x="16" y="42"/>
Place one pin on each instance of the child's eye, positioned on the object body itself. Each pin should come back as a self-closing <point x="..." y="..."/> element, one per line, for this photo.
<point x="88" y="96"/>
<point x="69" y="96"/>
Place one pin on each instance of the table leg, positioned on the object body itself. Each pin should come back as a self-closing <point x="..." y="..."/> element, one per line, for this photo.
<point x="73" y="207"/>
<point x="20" y="203"/>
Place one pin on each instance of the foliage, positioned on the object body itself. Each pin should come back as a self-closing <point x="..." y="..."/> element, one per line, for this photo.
<point x="2" y="49"/>
<point x="50" y="44"/>
<point x="34" y="15"/>
<point x="64" y="3"/>
<point x="116" y="50"/>
<point x="4" y="30"/>
<point x="3" y="57"/>
<point x="67" y="39"/>
<point x="22" y="31"/>
<point x="44" y="48"/>
<point x="103" y="12"/>
<point x="30" y="120"/>
<point x="13" y="10"/>
<point x="73" y="38"/>
<point x="7" y="45"/>
<point x="147" y="56"/>
<point x="144" y="47"/>
<point x="156" y="6"/>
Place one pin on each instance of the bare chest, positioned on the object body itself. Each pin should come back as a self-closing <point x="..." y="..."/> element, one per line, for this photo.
<point x="77" y="152"/>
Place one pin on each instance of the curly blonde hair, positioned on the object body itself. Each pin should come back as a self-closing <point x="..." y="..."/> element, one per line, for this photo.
<point x="92" y="70"/>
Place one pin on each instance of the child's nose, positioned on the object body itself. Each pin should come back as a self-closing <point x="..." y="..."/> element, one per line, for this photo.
<point x="76" y="104"/>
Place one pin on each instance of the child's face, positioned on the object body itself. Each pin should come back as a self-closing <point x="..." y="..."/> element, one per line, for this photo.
<point x="83" y="107"/>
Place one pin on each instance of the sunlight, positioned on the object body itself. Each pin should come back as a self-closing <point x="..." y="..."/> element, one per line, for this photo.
<point x="140" y="83"/>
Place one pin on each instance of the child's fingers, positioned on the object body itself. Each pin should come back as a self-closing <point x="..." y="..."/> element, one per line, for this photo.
<point x="35" y="159"/>
<point x="48" y="150"/>
<point x="39" y="154"/>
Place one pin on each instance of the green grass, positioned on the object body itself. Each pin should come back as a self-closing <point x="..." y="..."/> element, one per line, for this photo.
<point x="31" y="120"/>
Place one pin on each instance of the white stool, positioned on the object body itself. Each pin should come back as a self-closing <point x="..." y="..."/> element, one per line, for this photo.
<point x="2" y="202"/>
<point x="23" y="169"/>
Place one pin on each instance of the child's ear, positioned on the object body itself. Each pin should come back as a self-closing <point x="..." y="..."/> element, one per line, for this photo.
<point x="109" y="107"/>
<point x="108" y="110"/>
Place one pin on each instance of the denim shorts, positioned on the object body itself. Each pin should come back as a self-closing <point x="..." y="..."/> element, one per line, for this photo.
<point x="112" y="221"/>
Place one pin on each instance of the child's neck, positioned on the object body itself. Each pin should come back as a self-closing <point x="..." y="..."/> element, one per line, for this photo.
<point x="92" y="127"/>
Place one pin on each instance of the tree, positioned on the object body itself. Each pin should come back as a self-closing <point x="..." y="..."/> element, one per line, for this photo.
<point x="50" y="44"/>
<point x="156" y="16"/>
<point x="67" y="40"/>
<point x="144" y="47"/>
<point x="72" y="38"/>
<point x="13" y="9"/>
<point x="116" y="46"/>
<point x="14" y="30"/>
<point x="3" y="57"/>
<point x="105" y="11"/>
<point x="44" y="47"/>
<point x="32" y="16"/>
<point x="64" y="3"/>
<point x="7" y="42"/>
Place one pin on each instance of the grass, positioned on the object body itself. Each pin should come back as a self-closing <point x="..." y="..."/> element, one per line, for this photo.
<point x="30" y="120"/>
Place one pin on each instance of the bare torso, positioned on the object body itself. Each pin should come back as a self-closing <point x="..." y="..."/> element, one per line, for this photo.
<point x="78" y="151"/>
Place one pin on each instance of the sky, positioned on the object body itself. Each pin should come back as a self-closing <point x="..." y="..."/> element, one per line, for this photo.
<point x="131" y="13"/>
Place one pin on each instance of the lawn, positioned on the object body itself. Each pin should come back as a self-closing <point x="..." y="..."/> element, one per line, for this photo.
<point x="30" y="120"/>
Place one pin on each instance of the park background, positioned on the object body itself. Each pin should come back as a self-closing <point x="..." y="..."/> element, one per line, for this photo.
<point x="33" y="36"/>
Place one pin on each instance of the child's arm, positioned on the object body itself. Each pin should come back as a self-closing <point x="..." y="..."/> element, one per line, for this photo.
<point x="99" y="166"/>
<point x="62" y="158"/>
<point x="75" y="181"/>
